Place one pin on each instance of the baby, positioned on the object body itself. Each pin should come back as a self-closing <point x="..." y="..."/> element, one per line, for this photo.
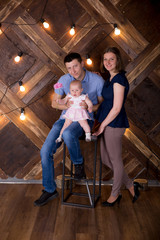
<point x="76" y="112"/>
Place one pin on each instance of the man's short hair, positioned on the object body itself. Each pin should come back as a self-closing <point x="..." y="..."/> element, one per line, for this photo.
<point x="71" y="56"/>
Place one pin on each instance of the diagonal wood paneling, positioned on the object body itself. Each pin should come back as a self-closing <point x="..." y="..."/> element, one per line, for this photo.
<point x="49" y="47"/>
<point x="146" y="151"/>
<point x="50" y="50"/>
<point x="141" y="63"/>
<point x="130" y="39"/>
<point x="34" y="128"/>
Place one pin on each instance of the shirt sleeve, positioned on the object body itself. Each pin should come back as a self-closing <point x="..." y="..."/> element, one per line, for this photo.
<point x="60" y="91"/>
<point x="120" y="79"/>
<point x="100" y="84"/>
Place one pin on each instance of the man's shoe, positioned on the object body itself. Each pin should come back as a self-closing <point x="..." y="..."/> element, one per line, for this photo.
<point x="45" y="198"/>
<point x="79" y="171"/>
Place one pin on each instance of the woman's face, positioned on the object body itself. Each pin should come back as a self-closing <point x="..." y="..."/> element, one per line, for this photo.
<point x="110" y="61"/>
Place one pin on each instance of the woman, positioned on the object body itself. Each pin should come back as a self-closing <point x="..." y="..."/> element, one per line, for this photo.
<point x="113" y="119"/>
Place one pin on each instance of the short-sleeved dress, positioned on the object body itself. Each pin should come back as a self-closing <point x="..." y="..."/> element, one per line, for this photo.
<point x="76" y="112"/>
<point x="121" y="121"/>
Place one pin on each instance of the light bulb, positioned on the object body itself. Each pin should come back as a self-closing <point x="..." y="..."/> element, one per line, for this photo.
<point x="18" y="57"/>
<point x="0" y="28"/>
<point x="45" y="24"/>
<point x="72" y="31"/>
<point x="116" y="29"/>
<point x="22" y="116"/>
<point x="89" y="61"/>
<point x="22" y="88"/>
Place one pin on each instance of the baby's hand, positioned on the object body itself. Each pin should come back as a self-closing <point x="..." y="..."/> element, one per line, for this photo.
<point x="90" y="109"/>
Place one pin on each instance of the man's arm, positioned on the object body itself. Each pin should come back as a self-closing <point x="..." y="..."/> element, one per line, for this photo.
<point x="95" y="107"/>
<point x="55" y="103"/>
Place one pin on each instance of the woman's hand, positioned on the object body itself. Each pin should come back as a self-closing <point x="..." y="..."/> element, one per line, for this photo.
<point x="100" y="130"/>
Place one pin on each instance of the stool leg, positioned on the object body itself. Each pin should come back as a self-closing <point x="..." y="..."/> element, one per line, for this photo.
<point x="63" y="174"/>
<point x="100" y="176"/>
<point x="71" y="181"/>
<point x="94" y="170"/>
<point x="89" y="194"/>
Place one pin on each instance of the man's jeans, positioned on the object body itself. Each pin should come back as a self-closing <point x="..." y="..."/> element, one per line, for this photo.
<point x="71" y="137"/>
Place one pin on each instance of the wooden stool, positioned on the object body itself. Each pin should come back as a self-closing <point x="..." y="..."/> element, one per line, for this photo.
<point x="91" y="193"/>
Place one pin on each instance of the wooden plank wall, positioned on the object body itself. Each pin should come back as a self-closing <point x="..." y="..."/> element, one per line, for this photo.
<point x="42" y="65"/>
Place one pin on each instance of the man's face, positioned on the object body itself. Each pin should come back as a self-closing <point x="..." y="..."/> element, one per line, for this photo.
<point x="75" y="69"/>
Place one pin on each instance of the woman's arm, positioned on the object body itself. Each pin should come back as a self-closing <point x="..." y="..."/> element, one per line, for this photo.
<point x="117" y="105"/>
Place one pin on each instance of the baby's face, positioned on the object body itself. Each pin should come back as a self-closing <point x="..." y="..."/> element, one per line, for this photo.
<point x="75" y="90"/>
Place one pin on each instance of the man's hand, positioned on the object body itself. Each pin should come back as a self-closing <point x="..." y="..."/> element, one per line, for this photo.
<point x="69" y="103"/>
<point x="83" y="104"/>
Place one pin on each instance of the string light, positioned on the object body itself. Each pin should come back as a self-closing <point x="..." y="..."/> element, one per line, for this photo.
<point x="116" y="29"/>
<point x="22" y="116"/>
<point x="0" y="29"/>
<point x="18" y="57"/>
<point x="89" y="61"/>
<point x="22" y="88"/>
<point x="72" y="30"/>
<point x="45" y="24"/>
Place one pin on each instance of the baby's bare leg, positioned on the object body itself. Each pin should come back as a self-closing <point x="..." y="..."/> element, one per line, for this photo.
<point x="84" y="124"/>
<point x="66" y="124"/>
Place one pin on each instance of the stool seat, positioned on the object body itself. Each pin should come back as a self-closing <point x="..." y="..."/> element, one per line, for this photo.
<point x="92" y="193"/>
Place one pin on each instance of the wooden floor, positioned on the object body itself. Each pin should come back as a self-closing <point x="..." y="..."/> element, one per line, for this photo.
<point x="20" y="220"/>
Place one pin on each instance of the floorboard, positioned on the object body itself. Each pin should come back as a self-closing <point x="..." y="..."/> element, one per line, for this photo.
<point x="21" y="220"/>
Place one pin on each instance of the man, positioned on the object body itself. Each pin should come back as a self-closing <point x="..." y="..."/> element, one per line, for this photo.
<point x="92" y="85"/>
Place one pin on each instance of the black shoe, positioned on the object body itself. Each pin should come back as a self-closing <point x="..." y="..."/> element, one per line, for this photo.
<point x="108" y="204"/>
<point x="136" y="191"/>
<point x="45" y="198"/>
<point x="79" y="171"/>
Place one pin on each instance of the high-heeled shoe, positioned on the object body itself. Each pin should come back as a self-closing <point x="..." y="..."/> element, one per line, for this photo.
<point x="136" y="191"/>
<point x="108" y="204"/>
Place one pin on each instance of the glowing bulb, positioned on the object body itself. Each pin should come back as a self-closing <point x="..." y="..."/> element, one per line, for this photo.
<point x="116" y="30"/>
<point x="72" y="31"/>
<point x="18" y="57"/>
<point x="22" y="116"/>
<point x="45" y="24"/>
<point x="0" y="28"/>
<point x="22" y="88"/>
<point x="89" y="61"/>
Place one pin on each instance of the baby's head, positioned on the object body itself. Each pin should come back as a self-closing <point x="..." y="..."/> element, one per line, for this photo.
<point x="76" y="88"/>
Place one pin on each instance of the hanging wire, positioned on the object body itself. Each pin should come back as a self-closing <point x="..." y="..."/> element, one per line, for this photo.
<point x="28" y="24"/>
<point x="29" y="103"/>
<point x="16" y="45"/>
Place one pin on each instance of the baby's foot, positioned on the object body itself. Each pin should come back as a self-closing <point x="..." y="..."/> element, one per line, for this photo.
<point x="59" y="139"/>
<point x="88" y="137"/>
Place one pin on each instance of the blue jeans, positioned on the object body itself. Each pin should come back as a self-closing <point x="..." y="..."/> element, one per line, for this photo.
<point x="71" y="138"/>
